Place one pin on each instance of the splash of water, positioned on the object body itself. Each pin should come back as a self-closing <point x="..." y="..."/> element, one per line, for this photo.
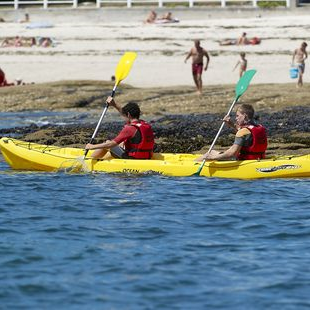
<point x="77" y="165"/>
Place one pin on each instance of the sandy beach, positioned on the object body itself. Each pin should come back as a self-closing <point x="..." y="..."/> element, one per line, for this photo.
<point x="88" y="46"/>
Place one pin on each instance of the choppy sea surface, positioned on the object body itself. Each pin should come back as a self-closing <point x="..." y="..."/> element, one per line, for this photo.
<point x="109" y="241"/>
<point x="41" y="118"/>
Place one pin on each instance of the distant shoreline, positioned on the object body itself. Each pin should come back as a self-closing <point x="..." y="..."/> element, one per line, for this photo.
<point x="120" y="14"/>
<point x="88" y="43"/>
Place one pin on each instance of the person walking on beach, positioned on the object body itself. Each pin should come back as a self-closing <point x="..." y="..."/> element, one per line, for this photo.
<point x="198" y="53"/>
<point x="242" y="63"/>
<point x="250" y="140"/>
<point x="137" y="136"/>
<point x="299" y="56"/>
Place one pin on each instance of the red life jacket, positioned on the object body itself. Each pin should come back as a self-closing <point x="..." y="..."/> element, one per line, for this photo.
<point x="259" y="143"/>
<point x="141" y="145"/>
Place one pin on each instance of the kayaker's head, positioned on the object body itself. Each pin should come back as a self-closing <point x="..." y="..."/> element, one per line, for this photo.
<point x="244" y="114"/>
<point x="131" y="111"/>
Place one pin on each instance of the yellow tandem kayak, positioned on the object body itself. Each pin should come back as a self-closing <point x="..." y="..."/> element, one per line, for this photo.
<point x="23" y="155"/>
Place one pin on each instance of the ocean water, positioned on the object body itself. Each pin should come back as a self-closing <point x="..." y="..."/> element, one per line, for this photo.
<point x="108" y="241"/>
<point x="40" y="118"/>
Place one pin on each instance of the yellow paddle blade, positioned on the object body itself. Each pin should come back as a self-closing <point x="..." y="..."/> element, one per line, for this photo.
<point x="124" y="66"/>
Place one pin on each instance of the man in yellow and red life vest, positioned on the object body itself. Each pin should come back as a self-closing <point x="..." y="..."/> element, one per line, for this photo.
<point x="137" y="136"/>
<point x="250" y="140"/>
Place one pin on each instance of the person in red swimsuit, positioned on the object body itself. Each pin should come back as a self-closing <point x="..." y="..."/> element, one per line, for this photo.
<point x="3" y="81"/>
<point x="197" y="53"/>
<point x="137" y="136"/>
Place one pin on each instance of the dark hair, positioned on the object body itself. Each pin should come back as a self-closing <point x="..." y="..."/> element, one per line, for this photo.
<point x="132" y="108"/>
<point x="248" y="110"/>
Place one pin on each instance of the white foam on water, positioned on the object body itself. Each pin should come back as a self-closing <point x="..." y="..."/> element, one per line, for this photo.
<point x="77" y="165"/>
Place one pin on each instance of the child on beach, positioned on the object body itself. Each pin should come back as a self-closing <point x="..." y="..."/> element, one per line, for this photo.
<point x="242" y="63"/>
<point x="299" y="56"/>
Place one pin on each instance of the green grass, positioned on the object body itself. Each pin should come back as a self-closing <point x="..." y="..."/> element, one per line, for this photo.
<point x="270" y="4"/>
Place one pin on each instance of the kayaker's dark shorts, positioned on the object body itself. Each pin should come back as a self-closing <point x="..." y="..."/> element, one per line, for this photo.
<point x="119" y="152"/>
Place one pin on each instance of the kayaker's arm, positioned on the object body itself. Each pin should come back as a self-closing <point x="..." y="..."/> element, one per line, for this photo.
<point x="232" y="152"/>
<point x="105" y="145"/>
<point x="110" y="101"/>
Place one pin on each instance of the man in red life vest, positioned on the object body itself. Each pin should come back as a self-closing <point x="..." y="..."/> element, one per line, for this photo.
<point x="137" y="136"/>
<point x="250" y="140"/>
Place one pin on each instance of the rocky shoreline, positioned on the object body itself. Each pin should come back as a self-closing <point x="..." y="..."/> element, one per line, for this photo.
<point x="288" y="132"/>
<point x="188" y="131"/>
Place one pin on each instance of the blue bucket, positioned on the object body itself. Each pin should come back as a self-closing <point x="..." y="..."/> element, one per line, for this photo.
<point x="294" y="73"/>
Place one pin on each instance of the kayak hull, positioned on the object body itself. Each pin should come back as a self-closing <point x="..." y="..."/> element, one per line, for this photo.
<point x="22" y="155"/>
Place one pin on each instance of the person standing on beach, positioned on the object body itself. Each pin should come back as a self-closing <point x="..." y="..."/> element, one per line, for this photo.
<point x="197" y="53"/>
<point x="242" y="63"/>
<point x="299" y="56"/>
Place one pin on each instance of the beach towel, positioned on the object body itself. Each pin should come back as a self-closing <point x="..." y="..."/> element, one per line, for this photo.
<point x="166" y="21"/>
<point x="40" y="25"/>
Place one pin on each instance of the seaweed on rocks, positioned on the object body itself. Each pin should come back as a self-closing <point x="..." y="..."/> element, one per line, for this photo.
<point x="287" y="130"/>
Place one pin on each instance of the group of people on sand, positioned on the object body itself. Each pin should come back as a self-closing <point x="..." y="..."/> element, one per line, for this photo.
<point x="242" y="40"/>
<point x="26" y="19"/>
<point x="152" y="18"/>
<point x="136" y="139"/>
<point x="27" y="42"/>
<point x="198" y="53"/>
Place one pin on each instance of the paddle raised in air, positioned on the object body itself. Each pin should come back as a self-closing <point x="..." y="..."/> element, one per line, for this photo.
<point x="121" y="72"/>
<point x="240" y="89"/>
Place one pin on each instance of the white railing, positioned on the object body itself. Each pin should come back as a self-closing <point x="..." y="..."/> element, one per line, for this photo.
<point x="130" y="3"/>
<point x="189" y="3"/>
<point x="45" y="3"/>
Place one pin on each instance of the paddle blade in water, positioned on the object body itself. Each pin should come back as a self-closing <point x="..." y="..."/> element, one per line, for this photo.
<point x="244" y="82"/>
<point x="77" y="165"/>
<point x="124" y="66"/>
